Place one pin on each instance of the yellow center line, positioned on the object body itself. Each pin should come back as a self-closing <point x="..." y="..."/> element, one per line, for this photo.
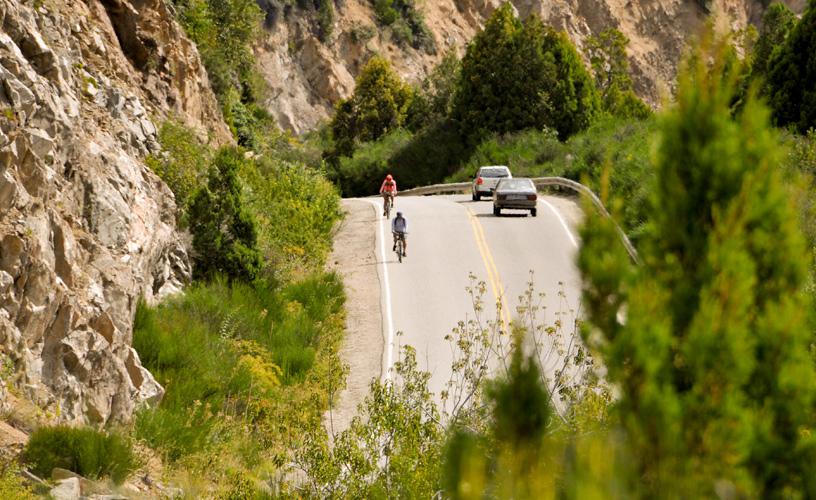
<point x="490" y="265"/>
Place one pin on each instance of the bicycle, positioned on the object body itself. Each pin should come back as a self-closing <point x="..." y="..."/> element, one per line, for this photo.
<point x="400" y="246"/>
<point x="389" y="204"/>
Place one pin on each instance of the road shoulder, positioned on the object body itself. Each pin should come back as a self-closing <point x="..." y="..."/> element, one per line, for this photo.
<point x="354" y="258"/>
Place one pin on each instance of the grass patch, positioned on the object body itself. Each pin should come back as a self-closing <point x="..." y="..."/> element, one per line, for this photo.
<point x="87" y="452"/>
<point x="237" y="360"/>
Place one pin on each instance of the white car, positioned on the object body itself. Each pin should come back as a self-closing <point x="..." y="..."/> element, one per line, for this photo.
<point x="486" y="180"/>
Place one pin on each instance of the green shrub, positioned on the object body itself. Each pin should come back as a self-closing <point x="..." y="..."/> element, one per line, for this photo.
<point x="296" y="209"/>
<point x="362" y="173"/>
<point x="717" y="382"/>
<point x="224" y="232"/>
<point x="224" y="32"/>
<point x="87" y="452"/>
<point x="361" y="33"/>
<point x="224" y="352"/>
<point x="325" y="18"/>
<point x="433" y="100"/>
<point x="406" y="22"/>
<point x="12" y="486"/>
<point x="777" y="22"/>
<point x="379" y="105"/>
<point x="182" y="163"/>
<point x="607" y="55"/>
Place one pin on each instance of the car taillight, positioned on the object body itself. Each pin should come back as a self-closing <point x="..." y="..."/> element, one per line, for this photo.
<point x="479" y="181"/>
<point x="531" y="197"/>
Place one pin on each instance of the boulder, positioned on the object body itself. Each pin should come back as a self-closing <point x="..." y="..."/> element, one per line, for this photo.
<point x="66" y="489"/>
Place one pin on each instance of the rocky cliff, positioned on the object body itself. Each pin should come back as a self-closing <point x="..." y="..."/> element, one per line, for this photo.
<point x="308" y="76"/>
<point x="86" y="229"/>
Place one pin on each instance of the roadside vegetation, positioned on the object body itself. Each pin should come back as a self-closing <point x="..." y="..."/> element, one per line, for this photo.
<point x="91" y="453"/>
<point x="248" y="354"/>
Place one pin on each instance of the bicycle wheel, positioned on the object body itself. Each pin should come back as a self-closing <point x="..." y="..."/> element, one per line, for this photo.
<point x="400" y="251"/>
<point x="387" y="208"/>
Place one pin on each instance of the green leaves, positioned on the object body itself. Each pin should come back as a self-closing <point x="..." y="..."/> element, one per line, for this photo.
<point x="379" y="105"/>
<point x="517" y="76"/>
<point x="224" y="232"/>
<point x="607" y="55"/>
<point x="392" y="448"/>
<point x="792" y="73"/>
<point x="85" y="451"/>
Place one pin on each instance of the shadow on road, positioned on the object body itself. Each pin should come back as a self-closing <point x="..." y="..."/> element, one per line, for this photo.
<point x="509" y="216"/>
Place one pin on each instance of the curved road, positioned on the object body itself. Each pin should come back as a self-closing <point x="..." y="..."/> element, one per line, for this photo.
<point x="451" y="237"/>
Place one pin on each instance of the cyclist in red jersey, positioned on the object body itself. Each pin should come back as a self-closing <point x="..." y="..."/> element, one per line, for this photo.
<point x="388" y="190"/>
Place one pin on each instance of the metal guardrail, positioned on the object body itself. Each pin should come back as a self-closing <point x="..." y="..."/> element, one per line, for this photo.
<point x="540" y="182"/>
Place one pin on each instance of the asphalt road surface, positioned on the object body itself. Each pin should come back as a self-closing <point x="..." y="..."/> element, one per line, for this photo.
<point x="452" y="237"/>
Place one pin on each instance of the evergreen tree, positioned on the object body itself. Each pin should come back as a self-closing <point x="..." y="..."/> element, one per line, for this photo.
<point x="777" y="23"/>
<point x="573" y="99"/>
<point x="792" y="75"/>
<point x="516" y="76"/>
<point x="224" y="232"/>
<point x="379" y="105"/>
<point x="607" y="55"/>
<point x="712" y="357"/>
<point x="489" y="96"/>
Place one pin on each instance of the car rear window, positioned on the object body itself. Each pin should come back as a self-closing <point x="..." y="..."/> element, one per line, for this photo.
<point x="494" y="172"/>
<point x="514" y="184"/>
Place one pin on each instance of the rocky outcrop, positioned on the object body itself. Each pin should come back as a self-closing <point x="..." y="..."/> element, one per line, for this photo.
<point x="86" y="229"/>
<point x="308" y="77"/>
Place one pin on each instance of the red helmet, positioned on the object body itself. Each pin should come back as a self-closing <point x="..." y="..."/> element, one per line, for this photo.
<point x="388" y="177"/>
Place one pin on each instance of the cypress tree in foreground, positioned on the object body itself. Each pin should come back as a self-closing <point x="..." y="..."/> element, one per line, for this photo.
<point x="708" y="340"/>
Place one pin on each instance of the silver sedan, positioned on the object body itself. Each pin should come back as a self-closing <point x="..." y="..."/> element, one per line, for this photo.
<point x="518" y="193"/>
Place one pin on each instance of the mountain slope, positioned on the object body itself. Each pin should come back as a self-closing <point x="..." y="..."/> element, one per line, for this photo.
<point x="308" y="77"/>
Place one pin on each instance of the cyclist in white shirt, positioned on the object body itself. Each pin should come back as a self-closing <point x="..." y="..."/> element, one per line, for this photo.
<point x="399" y="227"/>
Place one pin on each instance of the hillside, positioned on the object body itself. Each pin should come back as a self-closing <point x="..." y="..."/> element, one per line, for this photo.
<point x="308" y="76"/>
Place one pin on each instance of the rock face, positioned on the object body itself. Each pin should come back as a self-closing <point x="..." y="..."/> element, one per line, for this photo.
<point x="86" y="229"/>
<point x="308" y="77"/>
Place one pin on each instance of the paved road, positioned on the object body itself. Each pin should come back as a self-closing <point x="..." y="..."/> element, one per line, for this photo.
<point x="452" y="237"/>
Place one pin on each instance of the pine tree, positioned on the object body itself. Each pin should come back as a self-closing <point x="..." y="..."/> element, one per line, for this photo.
<point x="574" y="101"/>
<point x="486" y="98"/>
<point x="708" y="339"/>
<point x="792" y="75"/>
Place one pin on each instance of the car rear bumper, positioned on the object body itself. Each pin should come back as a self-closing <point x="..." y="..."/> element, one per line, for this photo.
<point x="517" y="204"/>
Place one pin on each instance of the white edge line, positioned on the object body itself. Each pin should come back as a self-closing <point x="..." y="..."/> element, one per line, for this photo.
<point x="562" y="221"/>
<point x="386" y="290"/>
